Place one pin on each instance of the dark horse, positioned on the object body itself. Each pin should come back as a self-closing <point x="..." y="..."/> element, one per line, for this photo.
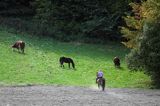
<point x="101" y="83"/>
<point x="66" y="60"/>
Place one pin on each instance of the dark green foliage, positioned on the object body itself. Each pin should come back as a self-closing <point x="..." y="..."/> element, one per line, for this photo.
<point x="16" y="7"/>
<point x="134" y="61"/>
<point x="31" y="27"/>
<point x="91" y="18"/>
<point x="150" y="51"/>
<point x="146" y="54"/>
<point x="36" y="27"/>
<point x="85" y="20"/>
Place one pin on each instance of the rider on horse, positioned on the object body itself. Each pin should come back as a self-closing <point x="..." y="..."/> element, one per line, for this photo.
<point x="99" y="75"/>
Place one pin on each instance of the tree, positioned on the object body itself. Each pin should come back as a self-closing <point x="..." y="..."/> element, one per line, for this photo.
<point x="149" y="48"/>
<point x="134" y="24"/>
<point x="16" y="7"/>
<point x="90" y="18"/>
<point x="147" y="52"/>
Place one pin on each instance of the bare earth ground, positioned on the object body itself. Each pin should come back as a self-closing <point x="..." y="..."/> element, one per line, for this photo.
<point x="76" y="96"/>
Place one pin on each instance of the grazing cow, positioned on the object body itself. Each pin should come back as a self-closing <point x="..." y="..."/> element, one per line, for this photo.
<point x="66" y="60"/>
<point x="116" y="61"/>
<point x="19" y="45"/>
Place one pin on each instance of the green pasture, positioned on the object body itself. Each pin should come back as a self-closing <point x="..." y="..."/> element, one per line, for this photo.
<point x="40" y="63"/>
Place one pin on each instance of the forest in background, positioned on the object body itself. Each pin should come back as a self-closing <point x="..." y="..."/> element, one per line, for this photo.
<point x="67" y="20"/>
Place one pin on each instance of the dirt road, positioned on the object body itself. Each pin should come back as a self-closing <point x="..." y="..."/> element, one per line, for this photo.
<point x="76" y="96"/>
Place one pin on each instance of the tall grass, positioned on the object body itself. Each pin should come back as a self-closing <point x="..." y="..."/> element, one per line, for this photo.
<point x="40" y="64"/>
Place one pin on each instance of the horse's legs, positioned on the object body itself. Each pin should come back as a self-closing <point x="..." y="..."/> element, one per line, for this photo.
<point x="61" y="64"/>
<point x="103" y="84"/>
<point x="98" y="82"/>
<point x="69" y="65"/>
<point x="99" y="85"/>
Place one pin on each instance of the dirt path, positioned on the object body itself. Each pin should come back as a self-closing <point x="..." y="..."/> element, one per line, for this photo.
<point x="76" y="96"/>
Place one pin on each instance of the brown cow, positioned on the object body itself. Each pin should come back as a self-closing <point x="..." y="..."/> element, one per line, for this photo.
<point x="19" y="45"/>
<point x="116" y="61"/>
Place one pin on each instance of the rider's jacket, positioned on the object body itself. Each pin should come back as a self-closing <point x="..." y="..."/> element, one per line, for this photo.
<point x="100" y="74"/>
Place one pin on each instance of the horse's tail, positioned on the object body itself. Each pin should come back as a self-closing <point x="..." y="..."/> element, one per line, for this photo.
<point x="73" y="65"/>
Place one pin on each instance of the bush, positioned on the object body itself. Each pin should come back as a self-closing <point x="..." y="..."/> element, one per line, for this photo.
<point x="150" y="51"/>
<point x="147" y="56"/>
<point x="134" y="61"/>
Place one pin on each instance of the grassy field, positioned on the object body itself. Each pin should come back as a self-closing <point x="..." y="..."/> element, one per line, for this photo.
<point x="40" y="64"/>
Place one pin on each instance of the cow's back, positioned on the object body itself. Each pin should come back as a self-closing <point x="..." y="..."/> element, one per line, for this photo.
<point x="19" y="45"/>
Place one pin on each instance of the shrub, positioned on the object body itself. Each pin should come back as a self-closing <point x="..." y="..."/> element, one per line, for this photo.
<point x="134" y="61"/>
<point x="150" y="51"/>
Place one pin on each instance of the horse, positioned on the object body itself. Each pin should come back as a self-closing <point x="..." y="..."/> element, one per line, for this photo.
<point x="19" y="45"/>
<point x="116" y="61"/>
<point x="101" y="83"/>
<point x="66" y="60"/>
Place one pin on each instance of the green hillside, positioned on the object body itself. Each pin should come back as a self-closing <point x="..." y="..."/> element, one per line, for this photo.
<point x="40" y="63"/>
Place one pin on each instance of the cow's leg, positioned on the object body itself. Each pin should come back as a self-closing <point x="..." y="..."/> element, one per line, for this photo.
<point x="18" y="50"/>
<point x="19" y="47"/>
<point x="22" y="50"/>
<point x="13" y="49"/>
